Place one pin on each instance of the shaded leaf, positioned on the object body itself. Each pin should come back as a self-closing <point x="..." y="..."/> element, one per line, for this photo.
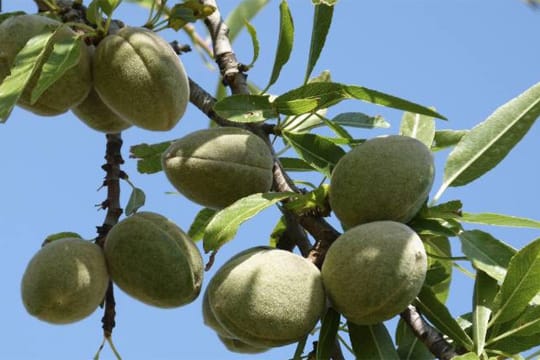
<point x="482" y="148"/>
<point x="527" y="324"/>
<point x="409" y="347"/>
<point x="440" y="317"/>
<point x="418" y="126"/>
<point x="487" y="253"/>
<point x="24" y="66"/>
<point x="515" y="344"/>
<point x="327" y="334"/>
<point x="7" y="15"/>
<point x="314" y="201"/>
<point x="439" y="273"/>
<point x="371" y="342"/>
<point x="499" y="220"/>
<point x="361" y="120"/>
<point x="448" y="210"/>
<point x="316" y="151"/>
<point x="199" y="224"/>
<point x="136" y="201"/>
<point x="149" y="156"/>
<point x="224" y="225"/>
<point x="285" y="42"/>
<point x="447" y="138"/>
<point x="65" y="54"/>
<point x="244" y="108"/>
<point x="244" y="12"/>
<point x="277" y="232"/>
<point x="485" y="289"/>
<point x="294" y="164"/>
<point x="108" y="6"/>
<point x="467" y="356"/>
<point x="314" y="96"/>
<point x="520" y="285"/>
<point x="322" y="19"/>
<point x="435" y="227"/>
<point x="60" y="235"/>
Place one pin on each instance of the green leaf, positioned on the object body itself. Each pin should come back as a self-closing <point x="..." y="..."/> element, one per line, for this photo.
<point x="199" y="224"/>
<point x="360" y="120"/>
<point x="244" y="108"/>
<point x="136" y="201"/>
<point x="149" y="156"/>
<point x="318" y="95"/>
<point x="65" y="54"/>
<point x="254" y="41"/>
<point x="440" y="317"/>
<point x="486" y="253"/>
<point x="294" y="164"/>
<point x="436" y="227"/>
<point x="448" y="210"/>
<point x="316" y="151"/>
<point x="527" y="324"/>
<point x="499" y="220"/>
<point x="409" y="347"/>
<point x="418" y="126"/>
<point x="322" y="19"/>
<point x="300" y="348"/>
<point x="439" y="273"/>
<point x="60" y="235"/>
<point x="26" y="63"/>
<point x="315" y="201"/>
<point x="515" y="344"/>
<point x="485" y="289"/>
<point x="224" y="225"/>
<point x="447" y="138"/>
<point x="482" y="148"/>
<point x="326" y="2"/>
<point x="285" y="42"/>
<point x="244" y="12"/>
<point x="277" y="232"/>
<point x="467" y="356"/>
<point x="371" y="342"/>
<point x="188" y="11"/>
<point x="93" y="13"/>
<point x="521" y="284"/>
<point x="328" y="334"/>
<point x="108" y="6"/>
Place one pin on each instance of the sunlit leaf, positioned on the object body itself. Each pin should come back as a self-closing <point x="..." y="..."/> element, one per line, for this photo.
<point x="521" y="284"/>
<point x="224" y="225"/>
<point x="108" y="6"/>
<point x="418" y="126"/>
<point x="245" y="108"/>
<point x="499" y="220"/>
<point x="285" y="42"/>
<point x="447" y="138"/>
<point x="294" y="164"/>
<point x="245" y="11"/>
<point x="487" y="253"/>
<point x="136" y="201"/>
<point x="485" y="289"/>
<point x="254" y="41"/>
<point x="360" y="120"/>
<point x="322" y="19"/>
<point x="488" y="143"/>
<point x="60" y="235"/>
<point x="199" y="224"/>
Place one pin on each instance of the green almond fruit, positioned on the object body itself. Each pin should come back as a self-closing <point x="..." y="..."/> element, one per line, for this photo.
<point x="373" y="271"/>
<point x="215" y="167"/>
<point x="69" y="90"/>
<point x="153" y="260"/>
<point x="267" y="297"/>
<point x="65" y="281"/>
<point x="386" y="178"/>
<point x="139" y="76"/>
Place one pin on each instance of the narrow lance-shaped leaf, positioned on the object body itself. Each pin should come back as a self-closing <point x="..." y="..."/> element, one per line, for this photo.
<point x="314" y="96"/>
<point x="488" y="143"/>
<point x="527" y="324"/>
<point x="316" y="151"/>
<point x="244" y="108"/>
<point x="487" y="253"/>
<point x="521" y="284"/>
<point x="254" y="41"/>
<point x="24" y="66"/>
<point x="447" y="138"/>
<point x="322" y="19"/>
<point x="65" y="54"/>
<point x="499" y="220"/>
<point x="485" y="288"/>
<point x="438" y="315"/>
<point x="285" y="42"/>
<point x="224" y="225"/>
<point x="360" y="120"/>
<point x="371" y="342"/>
<point x="294" y="164"/>
<point x="202" y="219"/>
<point x="244" y="12"/>
<point x="418" y="126"/>
<point x="327" y="334"/>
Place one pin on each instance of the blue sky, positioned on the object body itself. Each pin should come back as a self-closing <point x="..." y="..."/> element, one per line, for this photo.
<point x="466" y="58"/>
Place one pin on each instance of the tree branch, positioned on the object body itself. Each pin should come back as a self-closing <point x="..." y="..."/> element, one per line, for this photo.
<point x="113" y="175"/>
<point x="433" y="340"/>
